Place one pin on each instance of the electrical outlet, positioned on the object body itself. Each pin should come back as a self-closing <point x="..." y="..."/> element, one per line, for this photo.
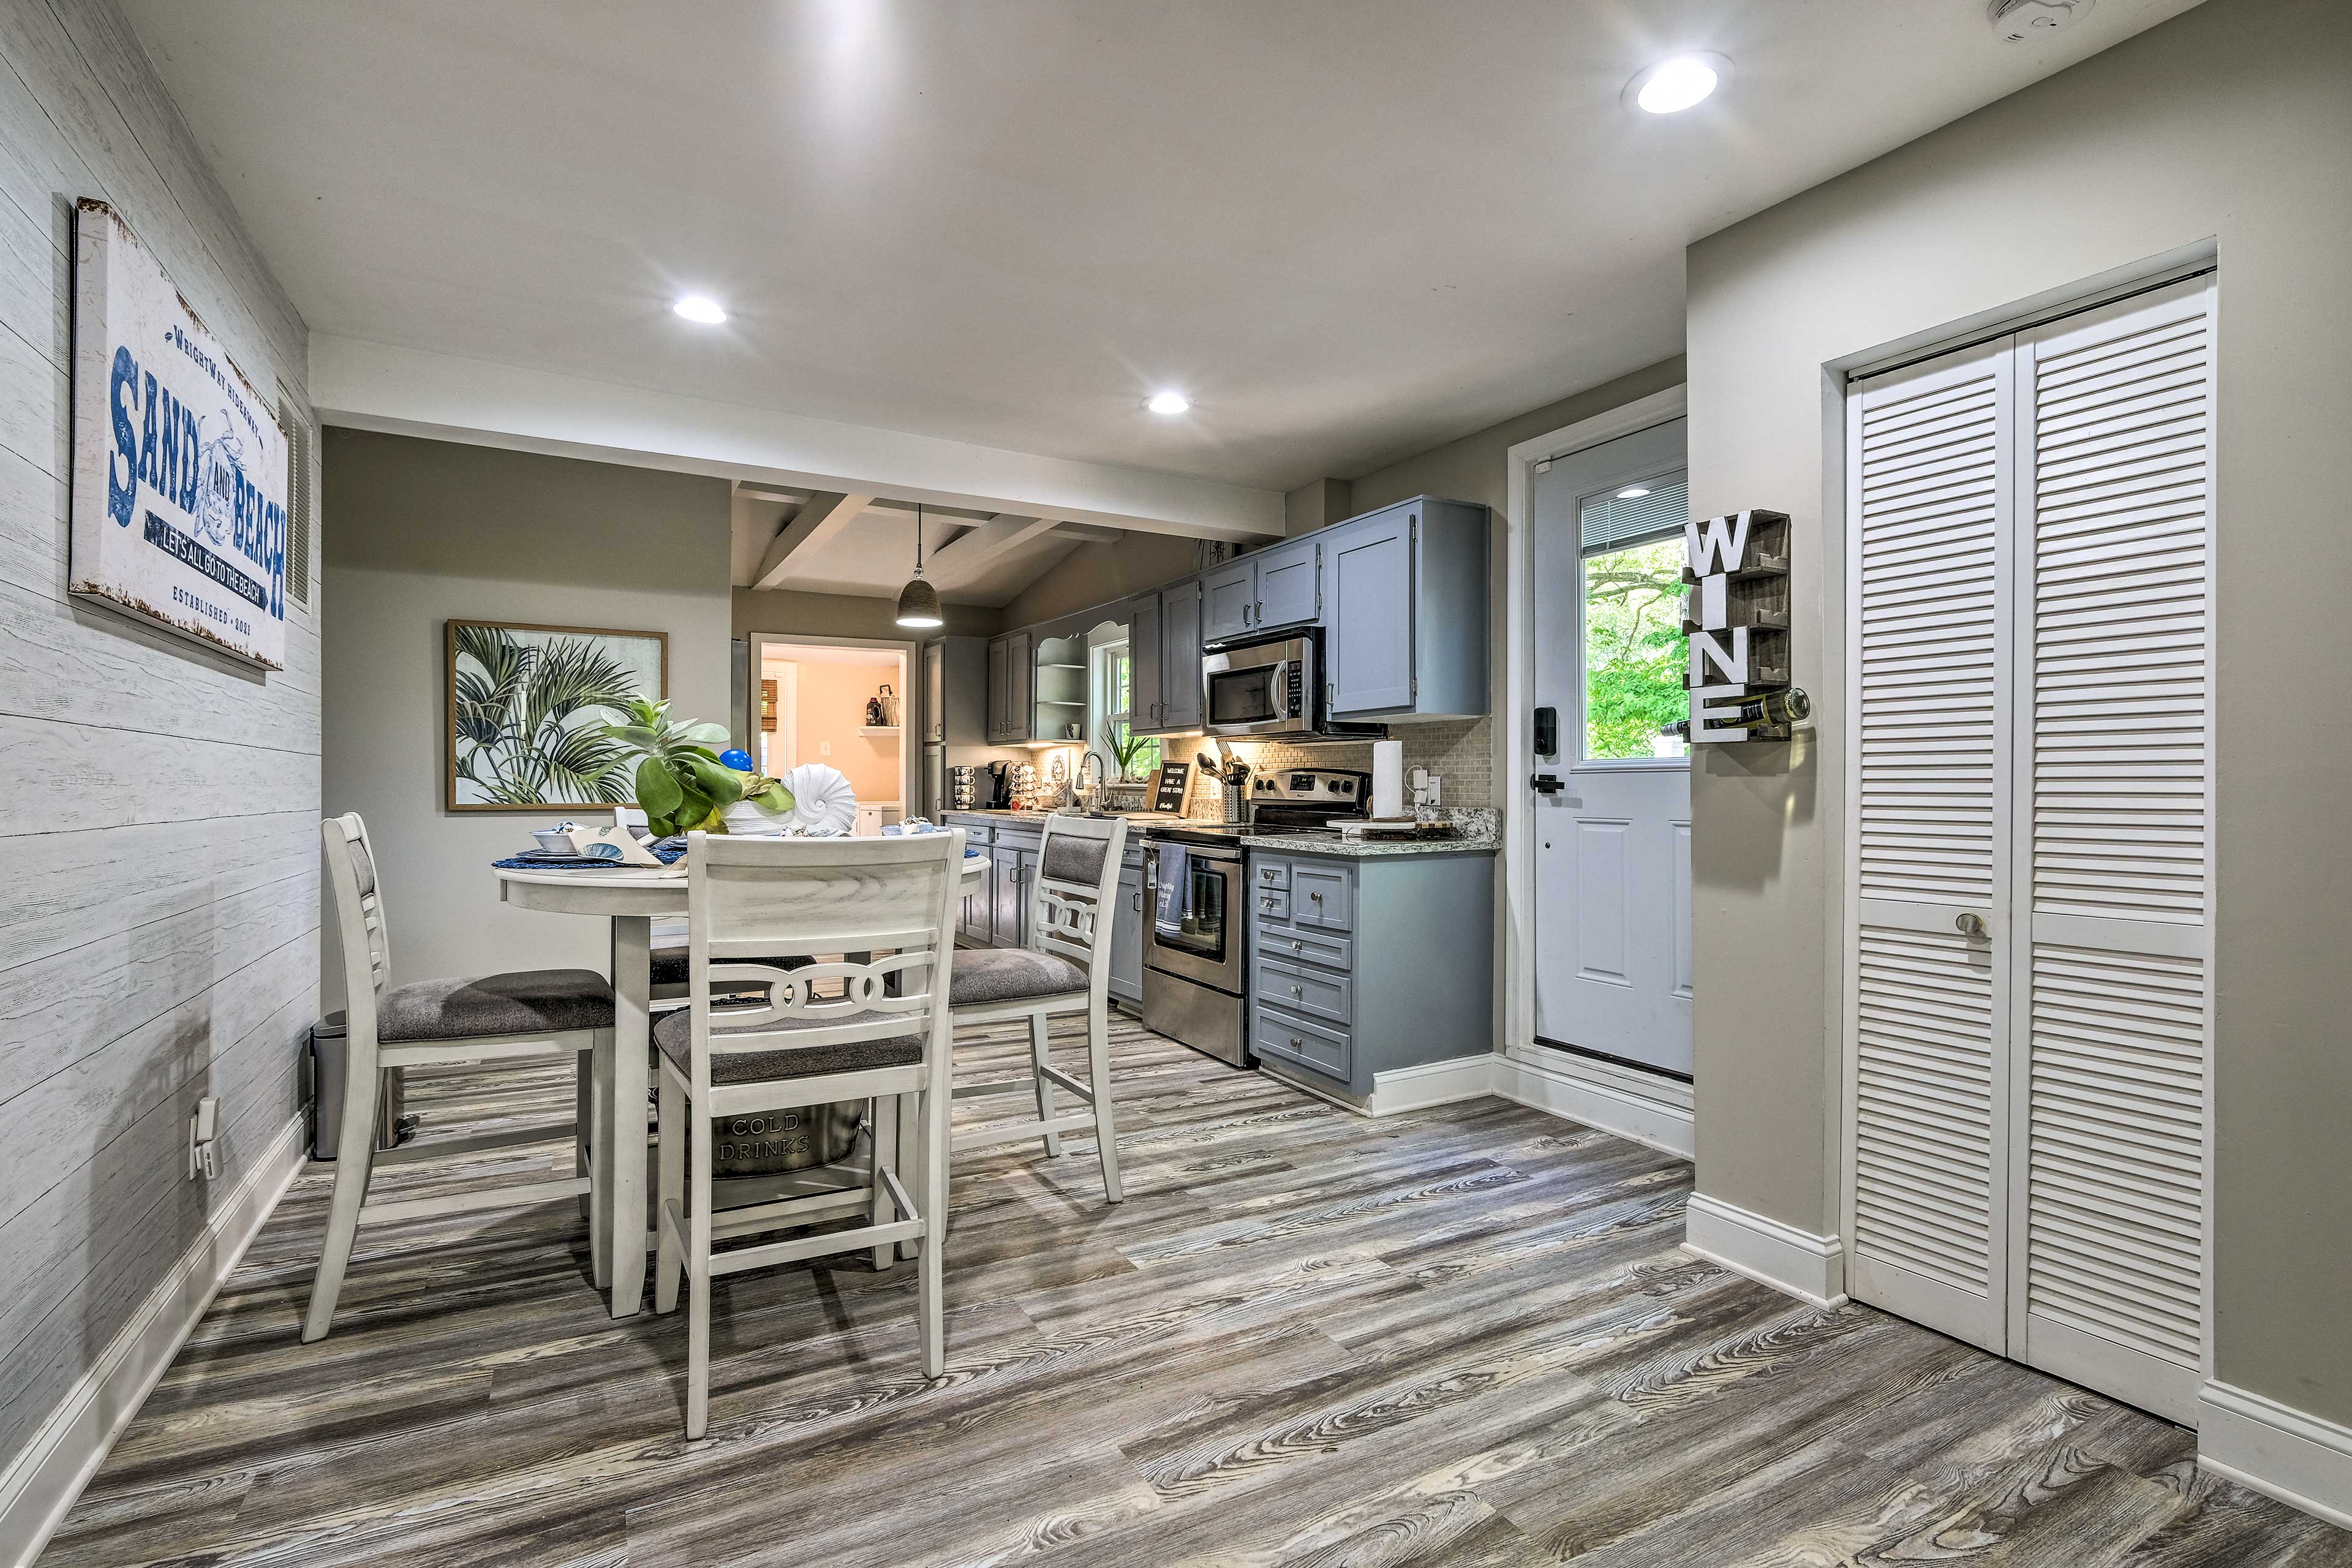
<point x="204" y="1135"/>
<point x="825" y="748"/>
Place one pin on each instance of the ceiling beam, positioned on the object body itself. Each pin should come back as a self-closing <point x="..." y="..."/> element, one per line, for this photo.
<point x="820" y="518"/>
<point x="756" y="489"/>
<point x="961" y="559"/>
<point x="1088" y="533"/>
<point x="410" y="392"/>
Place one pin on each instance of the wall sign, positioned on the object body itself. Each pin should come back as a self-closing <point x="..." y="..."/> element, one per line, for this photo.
<point x="179" y="466"/>
<point x="1736" y="618"/>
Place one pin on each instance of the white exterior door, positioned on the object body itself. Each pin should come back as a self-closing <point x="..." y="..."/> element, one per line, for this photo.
<point x="1612" y="928"/>
<point x="2029" y="744"/>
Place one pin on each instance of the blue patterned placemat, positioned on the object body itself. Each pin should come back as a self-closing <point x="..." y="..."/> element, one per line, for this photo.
<point x="536" y="861"/>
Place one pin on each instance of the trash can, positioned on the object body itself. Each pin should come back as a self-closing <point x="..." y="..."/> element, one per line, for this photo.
<point x="327" y="1078"/>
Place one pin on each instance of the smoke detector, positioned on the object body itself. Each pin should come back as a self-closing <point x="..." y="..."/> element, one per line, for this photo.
<point x="2018" y="21"/>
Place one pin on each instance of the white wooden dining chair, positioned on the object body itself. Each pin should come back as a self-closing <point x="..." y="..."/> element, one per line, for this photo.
<point x="756" y="1036"/>
<point x="1064" y="969"/>
<point x="523" y="1018"/>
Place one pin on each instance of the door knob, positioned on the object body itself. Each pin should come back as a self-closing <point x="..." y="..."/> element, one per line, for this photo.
<point x="1970" y="925"/>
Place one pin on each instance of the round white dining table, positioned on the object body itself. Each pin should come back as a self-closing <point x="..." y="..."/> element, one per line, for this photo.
<point x="632" y="900"/>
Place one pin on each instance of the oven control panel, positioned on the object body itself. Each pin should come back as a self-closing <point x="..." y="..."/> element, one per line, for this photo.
<point x="1314" y="787"/>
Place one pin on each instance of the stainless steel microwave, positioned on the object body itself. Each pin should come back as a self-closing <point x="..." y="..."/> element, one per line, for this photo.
<point x="1272" y="691"/>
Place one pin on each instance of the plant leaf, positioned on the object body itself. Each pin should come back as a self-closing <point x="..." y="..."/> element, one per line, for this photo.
<point x="723" y="785"/>
<point x="704" y="734"/>
<point x="658" y="790"/>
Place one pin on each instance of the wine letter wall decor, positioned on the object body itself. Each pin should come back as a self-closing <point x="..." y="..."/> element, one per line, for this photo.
<point x="1736" y="615"/>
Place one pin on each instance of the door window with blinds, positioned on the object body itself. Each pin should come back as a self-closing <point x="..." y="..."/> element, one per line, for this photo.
<point x="1629" y="585"/>
<point x="2027" y="942"/>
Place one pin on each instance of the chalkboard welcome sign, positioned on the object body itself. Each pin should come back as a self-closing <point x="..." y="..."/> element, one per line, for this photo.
<point x="179" y="466"/>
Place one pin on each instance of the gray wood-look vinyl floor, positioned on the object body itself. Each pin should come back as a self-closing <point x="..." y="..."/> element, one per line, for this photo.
<point x="1464" y="1336"/>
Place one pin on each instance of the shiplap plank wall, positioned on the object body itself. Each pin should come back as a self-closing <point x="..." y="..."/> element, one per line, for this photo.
<point x="159" y="853"/>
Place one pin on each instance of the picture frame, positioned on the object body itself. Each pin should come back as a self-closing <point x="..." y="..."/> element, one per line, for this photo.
<point x="521" y="703"/>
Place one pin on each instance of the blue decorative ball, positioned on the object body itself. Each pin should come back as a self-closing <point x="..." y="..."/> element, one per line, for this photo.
<point x="739" y="759"/>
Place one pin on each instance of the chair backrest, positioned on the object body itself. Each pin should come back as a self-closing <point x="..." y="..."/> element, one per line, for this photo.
<point x="750" y="899"/>
<point x="359" y="919"/>
<point x="1070" y="913"/>
<point x="630" y="816"/>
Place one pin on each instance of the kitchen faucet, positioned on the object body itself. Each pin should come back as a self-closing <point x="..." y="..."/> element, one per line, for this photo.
<point x="1095" y="797"/>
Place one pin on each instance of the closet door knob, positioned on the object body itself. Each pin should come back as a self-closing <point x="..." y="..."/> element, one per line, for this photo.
<point x="1970" y="925"/>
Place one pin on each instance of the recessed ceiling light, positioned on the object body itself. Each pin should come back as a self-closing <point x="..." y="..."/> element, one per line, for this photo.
<point x="1632" y="493"/>
<point x="1674" y="85"/>
<point x="1167" y="403"/>
<point x="701" y="308"/>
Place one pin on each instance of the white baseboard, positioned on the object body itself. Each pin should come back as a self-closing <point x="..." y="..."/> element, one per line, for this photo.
<point x="1637" y="1105"/>
<point x="1433" y="1083"/>
<point x="42" y="1482"/>
<point x="2277" y="1450"/>
<point x="1798" y="1263"/>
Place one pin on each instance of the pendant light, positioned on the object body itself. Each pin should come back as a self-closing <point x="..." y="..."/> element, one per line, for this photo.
<point x="918" y="602"/>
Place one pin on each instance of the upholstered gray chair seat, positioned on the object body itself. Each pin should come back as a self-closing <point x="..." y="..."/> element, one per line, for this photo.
<point x="669" y="964"/>
<point x="674" y="1033"/>
<point x="1009" y="975"/>
<point x="524" y="1002"/>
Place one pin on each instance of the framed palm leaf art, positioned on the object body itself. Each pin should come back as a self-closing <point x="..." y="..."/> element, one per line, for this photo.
<point x="526" y="710"/>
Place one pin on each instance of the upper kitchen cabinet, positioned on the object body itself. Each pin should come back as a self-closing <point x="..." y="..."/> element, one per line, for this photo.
<point x="1179" y="656"/>
<point x="1405" y="612"/>
<point x="1143" y="662"/>
<point x="1228" y="600"/>
<point x="1164" y="659"/>
<point x="1290" y="584"/>
<point x="1010" y="683"/>
<point x="955" y="691"/>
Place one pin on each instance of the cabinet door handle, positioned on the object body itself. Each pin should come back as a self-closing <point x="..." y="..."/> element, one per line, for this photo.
<point x="1298" y="947"/>
<point x="1295" y="1045"/>
<point x="1316" y="897"/>
<point x="1294" y="990"/>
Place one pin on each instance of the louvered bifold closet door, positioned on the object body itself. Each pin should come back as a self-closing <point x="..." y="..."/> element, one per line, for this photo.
<point x="2114" y="776"/>
<point x="1929" y="661"/>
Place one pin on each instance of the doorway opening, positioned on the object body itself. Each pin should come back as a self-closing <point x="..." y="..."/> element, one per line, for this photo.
<point x="841" y="703"/>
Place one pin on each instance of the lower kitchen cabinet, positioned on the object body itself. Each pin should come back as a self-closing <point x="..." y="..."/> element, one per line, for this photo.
<point x="1361" y="966"/>
<point x="1126" y="931"/>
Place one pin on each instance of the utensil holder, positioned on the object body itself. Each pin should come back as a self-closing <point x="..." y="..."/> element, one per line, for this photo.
<point x="1233" y="804"/>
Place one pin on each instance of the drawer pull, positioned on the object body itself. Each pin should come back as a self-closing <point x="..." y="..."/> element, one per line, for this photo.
<point x="1295" y="1044"/>
<point x="1294" y="990"/>
<point x="1298" y="947"/>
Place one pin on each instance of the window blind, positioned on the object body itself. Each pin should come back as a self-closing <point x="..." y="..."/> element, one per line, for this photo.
<point x="1609" y="521"/>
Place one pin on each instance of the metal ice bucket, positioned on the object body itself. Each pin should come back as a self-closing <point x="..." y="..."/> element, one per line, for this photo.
<point x="766" y="1142"/>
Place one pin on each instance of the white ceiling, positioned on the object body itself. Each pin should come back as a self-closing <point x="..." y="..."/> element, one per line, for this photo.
<point x="1348" y="228"/>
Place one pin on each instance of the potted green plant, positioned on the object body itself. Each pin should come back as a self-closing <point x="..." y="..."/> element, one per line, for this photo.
<point x="682" y="785"/>
<point x="1126" y="749"/>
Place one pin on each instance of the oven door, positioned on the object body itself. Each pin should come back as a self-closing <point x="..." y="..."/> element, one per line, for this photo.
<point x="1266" y="690"/>
<point x="1198" y="933"/>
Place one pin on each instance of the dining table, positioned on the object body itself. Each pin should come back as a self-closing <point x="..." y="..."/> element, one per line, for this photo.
<point x="631" y="898"/>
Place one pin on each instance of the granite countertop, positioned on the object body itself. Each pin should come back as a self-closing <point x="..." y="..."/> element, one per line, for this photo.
<point x="1479" y="827"/>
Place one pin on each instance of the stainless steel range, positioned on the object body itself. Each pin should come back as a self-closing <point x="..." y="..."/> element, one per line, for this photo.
<point x="1195" y="958"/>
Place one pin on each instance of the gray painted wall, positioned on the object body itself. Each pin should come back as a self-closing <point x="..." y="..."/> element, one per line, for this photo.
<point x="431" y="530"/>
<point x="2232" y="122"/>
<point x="1097" y="574"/>
<point x="160" y="848"/>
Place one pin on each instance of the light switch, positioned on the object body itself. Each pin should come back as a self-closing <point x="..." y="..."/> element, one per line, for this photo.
<point x="825" y="748"/>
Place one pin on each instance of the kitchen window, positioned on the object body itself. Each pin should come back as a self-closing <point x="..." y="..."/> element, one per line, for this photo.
<point x="1110" y="733"/>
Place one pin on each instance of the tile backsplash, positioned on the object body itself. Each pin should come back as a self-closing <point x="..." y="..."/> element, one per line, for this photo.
<point x="1459" y="751"/>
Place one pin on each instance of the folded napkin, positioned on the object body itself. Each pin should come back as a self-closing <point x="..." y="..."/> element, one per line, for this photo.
<point x="548" y="860"/>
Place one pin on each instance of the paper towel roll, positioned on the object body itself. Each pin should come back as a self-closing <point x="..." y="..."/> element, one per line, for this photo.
<point x="1388" y="778"/>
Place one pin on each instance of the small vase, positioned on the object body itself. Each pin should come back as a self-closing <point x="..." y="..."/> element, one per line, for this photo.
<point x="748" y="820"/>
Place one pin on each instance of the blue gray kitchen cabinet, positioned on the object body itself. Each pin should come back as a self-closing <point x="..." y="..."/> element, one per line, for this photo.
<point x="955" y="691"/>
<point x="1011" y="712"/>
<point x="1143" y="662"/>
<point x="1127" y="929"/>
<point x="1290" y="584"/>
<point x="1405" y="612"/>
<point x="1358" y="967"/>
<point x="1228" y="599"/>
<point x="1179" y="656"/>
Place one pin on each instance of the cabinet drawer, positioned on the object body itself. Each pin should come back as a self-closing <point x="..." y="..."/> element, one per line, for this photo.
<point x="1287" y="1038"/>
<point x="1323" y="897"/>
<point x="1295" y="946"/>
<point x="1318" y="994"/>
<point x="1270" y="874"/>
<point x="1270" y="903"/>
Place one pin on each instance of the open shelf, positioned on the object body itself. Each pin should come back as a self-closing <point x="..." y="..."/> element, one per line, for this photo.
<point x="878" y="729"/>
